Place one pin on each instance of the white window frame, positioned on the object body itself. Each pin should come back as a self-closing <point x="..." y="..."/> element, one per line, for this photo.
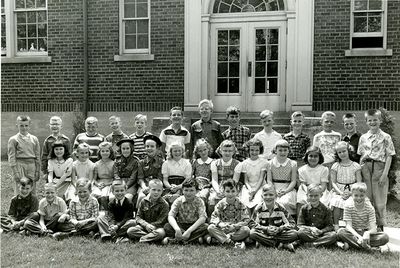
<point x="133" y="54"/>
<point x="379" y="51"/>
<point x="13" y="55"/>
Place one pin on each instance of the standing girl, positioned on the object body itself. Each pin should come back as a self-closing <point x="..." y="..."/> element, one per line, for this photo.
<point x="175" y="170"/>
<point x="313" y="172"/>
<point x="103" y="174"/>
<point x="202" y="167"/>
<point x="282" y="173"/>
<point x="253" y="169"/>
<point x="344" y="174"/>
<point x="82" y="167"/>
<point x="60" y="169"/>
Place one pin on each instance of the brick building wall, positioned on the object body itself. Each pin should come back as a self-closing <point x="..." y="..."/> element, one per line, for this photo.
<point x="113" y="86"/>
<point x="353" y="83"/>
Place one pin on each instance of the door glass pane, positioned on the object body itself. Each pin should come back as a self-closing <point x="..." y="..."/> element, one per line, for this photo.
<point x="228" y="61"/>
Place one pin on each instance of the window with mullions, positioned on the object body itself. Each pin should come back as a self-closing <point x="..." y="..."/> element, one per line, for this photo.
<point x="135" y="26"/>
<point x="235" y="6"/>
<point x="3" y="29"/>
<point x="368" y="24"/>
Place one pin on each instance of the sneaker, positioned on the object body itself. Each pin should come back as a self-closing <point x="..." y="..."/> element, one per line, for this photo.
<point x="240" y="245"/>
<point x="165" y="241"/>
<point x="106" y="238"/>
<point x="208" y="239"/>
<point x="280" y="246"/>
<point x="342" y="245"/>
<point x="289" y="247"/>
<point x="96" y="235"/>
<point x="122" y="240"/>
<point x="201" y="240"/>
<point x="257" y="244"/>
<point x="28" y="233"/>
<point x="60" y="236"/>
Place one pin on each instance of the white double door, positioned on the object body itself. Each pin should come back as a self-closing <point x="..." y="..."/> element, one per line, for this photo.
<point x="247" y="65"/>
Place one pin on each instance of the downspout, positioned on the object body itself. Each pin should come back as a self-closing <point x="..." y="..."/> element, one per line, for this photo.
<point x="85" y="60"/>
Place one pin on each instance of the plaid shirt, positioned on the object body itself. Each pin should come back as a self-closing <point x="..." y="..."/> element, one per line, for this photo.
<point x="79" y="211"/>
<point x="278" y="217"/>
<point x="298" y="145"/>
<point x="320" y="217"/>
<point x="239" y="136"/>
<point x="187" y="212"/>
<point x="230" y="213"/>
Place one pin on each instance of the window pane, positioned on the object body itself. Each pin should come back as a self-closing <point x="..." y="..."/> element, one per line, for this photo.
<point x="234" y="85"/>
<point x="21" y="31"/>
<point x="143" y="41"/>
<point x="22" y="45"/>
<point x="19" y="4"/>
<point x="142" y="26"/>
<point x="360" y="4"/>
<point x="360" y="24"/>
<point x="272" y="69"/>
<point x="260" y="52"/>
<point x="260" y="37"/>
<point x="42" y="16"/>
<point x="223" y="53"/>
<point x="222" y="37"/>
<point x="234" y="53"/>
<point x="130" y="27"/>
<point x="273" y="36"/>
<point x="42" y="30"/>
<point x="222" y="69"/>
<point x="374" y="24"/>
<point x="260" y="69"/>
<point x="21" y="17"/>
<point x="272" y="53"/>
<point x="130" y="41"/>
<point x="367" y="42"/>
<point x="30" y="3"/>
<point x="234" y="69"/>
<point x="141" y="10"/>
<point x="3" y="33"/>
<point x="31" y="17"/>
<point x="222" y="86"/>
<point x="129" y="10"/>
<point x="375" y="4"/>
<point x="261" y="7"/>
<point x="272" y="85"/>
<point x="32" y="30"/>
<point x="259" y="86"/>
<point x="42" y="44"/>
<point x="234" y="37"/>
<point x="40" y="3"/>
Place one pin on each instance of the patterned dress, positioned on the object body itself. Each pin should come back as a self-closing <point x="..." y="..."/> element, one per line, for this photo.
<point x="225" y="171"/>
<point x="202" y="173"/>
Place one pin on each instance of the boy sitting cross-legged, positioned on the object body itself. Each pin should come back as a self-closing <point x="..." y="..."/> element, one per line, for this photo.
<point x="230" y="218"/>
<point x="271" y="223"/>
<point x="119" y="216"/>
<point x="83" y="211"/>
<point x="359" y="215"/>
<point x="187" y="217"/>
<point x="21" y="208"/>
<point x="315" y="220"/>
<point x="151" y="216"/>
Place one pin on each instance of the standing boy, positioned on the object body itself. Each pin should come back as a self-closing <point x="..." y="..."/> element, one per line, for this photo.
<point x="138" y="137"/>
<point x="55" y="128"/>
<point x="119" y="217"/>
<point x="24" y="154"/>
<point x="376" y="150"/>
<point x="21" y="208"/>
<point x="187" y="217"/>
<point x="206" y="128"/>
<point x="315" y="220"/>
<point x="237" y="133"/>
<point x="359" y="215"/>
<point x="116" y="135"/>
<point x="175" y="132"/>
<point x="151" y="216"/>
<point x="352" y="136"/>
<point x="90" y="137"/>
<point x="298" y="141"/>
<point x="271" y="223"/>
<point x="268" y="136"/>
<point x="327" y="139"/>
<point x="230" y="218"/>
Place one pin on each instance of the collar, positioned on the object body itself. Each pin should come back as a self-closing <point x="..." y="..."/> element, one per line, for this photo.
<point x="309" y="206"/>
<point x="184" y="200"/>
<point x="55" y="201"/>
<point x="277" y="164"/>
<point x="147" y="198"/>
<point x="370" y="134"/>
<point x="94" y="135"/>
<point x="76" y="199"/>
<point x="207" y="122"/>
<point x="264" y="206"/>
<point x="21" y="197"/>
<point x="119" y="201"/>
<point x="226" y="163"/>
<point x="24" y="136"/>
<point x="201" y="162"/>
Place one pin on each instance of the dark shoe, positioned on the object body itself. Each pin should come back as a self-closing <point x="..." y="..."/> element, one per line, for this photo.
<point x="106" y="238"/>
<point x="60" y="236"/>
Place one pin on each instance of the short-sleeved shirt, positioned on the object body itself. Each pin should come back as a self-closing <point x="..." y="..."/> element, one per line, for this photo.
<point x="309" y="175"/>
<point x="361" y="219"/>
<point x="326" y="142"/>
<point x="83" y="169"/>
<point x="92" y="141"/>
<point x="48" y="210"/>
<point x="233" y="213"/>
<point x="83" y="211"/>
<point x="177" y="168"/>
<point x="376" y="146"/>
<point x="59" y="169"/>
<point x="319" y="216"/>
<point x="298" y="145"/>
<point x="188" y="211"/>
<point x="268" y="140"/>
<point x="152" y="212"/>
<point x="21" y="207"/>
<point x="239" y="135"/>
<point x="279" y="216"/>
<point x="139" y="149"/>
<point x="48" y="143"/>
<point x="346" y="174"/>
<point x="168" y="136"/>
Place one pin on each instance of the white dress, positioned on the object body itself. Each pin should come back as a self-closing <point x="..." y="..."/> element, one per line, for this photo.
<point x="66" y="189"/>
<point x="252" y="176"/>
<point x="309" y="175"/>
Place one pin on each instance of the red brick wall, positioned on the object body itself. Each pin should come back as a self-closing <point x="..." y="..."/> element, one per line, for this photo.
<point x="353" y="83"/>
<point x="113" y="86"/>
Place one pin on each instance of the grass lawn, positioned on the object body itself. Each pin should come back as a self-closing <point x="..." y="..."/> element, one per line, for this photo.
<point x="19" y="251"/>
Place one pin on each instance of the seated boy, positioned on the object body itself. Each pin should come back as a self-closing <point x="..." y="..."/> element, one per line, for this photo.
<point x="21" y="208"/>
<point x="230" y="218"/>
<point x="119" y="216"/>
<point x="271" y="223"/>
<point x="359" y="215"/>
<point x="50" y="215"/>
<point x="83" y="210"/>
<point x="187" y="217"/>
<point x="315" y="220"/>
<point x="151" y="216"/>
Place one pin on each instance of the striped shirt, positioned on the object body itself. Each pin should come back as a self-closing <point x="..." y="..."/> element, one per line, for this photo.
<point x="87" y="210"/>
<point x="361" y="219"/>
<point x="92" y="141"/>
<point x="168" y="136"/>
<point x="139" y="149"/>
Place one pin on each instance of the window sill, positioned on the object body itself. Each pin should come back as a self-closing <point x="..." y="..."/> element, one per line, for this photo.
<point x="33" y="59"/>
<point x="368" y="52"/>
<point x="134" y="57"/>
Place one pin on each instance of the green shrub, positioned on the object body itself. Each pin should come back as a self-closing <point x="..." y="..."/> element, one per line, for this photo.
<point x="78" y="122"/>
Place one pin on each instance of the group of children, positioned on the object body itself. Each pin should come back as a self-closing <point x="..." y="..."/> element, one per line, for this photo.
<point x="235" y="190"/>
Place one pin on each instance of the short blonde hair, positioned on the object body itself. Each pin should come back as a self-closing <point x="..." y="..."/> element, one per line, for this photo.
<point x="266" y="113"/>
<point x="297" y="114"/>
<point x="175" y="144"/>
<point x="359" y="186"/>
<point x="208" y="102"/>
<point x="281" y="143"/>
<point x="55" y="118"/>
<point x="314" y="188"/>
<point x="85" y="183"/>
<point x="114" y="118"/>
<point x="328" y="113"/>
<point x="226" y="143"/>
<point x="269" y="188"/>
<point x="141" y="116"/>
<point x="91" y="120"/>
<point x="155" y="182"/>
